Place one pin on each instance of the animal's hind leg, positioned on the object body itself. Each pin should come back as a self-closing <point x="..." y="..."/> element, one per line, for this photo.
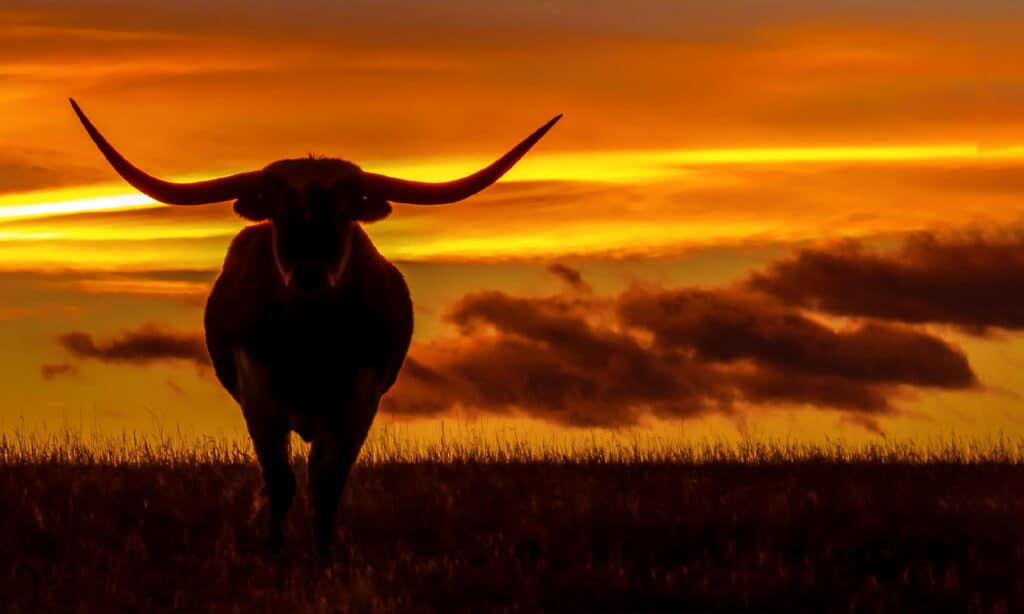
<point x="330" y="462"/>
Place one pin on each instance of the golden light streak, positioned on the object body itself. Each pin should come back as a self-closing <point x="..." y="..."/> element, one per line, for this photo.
<point x="29" y="236"/>
<point x="108" y="255"/>
<point x="48" y="203"/>
<point x="633" y="166"/>
<point x="143" y="287"/>
<point x="597" y="238"/>
<point x="874" y="153"/>
<point x="149" y="233"/>
<point x="618" y="167"/>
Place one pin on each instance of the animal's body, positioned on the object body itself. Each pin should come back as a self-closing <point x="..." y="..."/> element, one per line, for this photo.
<point x="308" y="324"/>
<point x="365" y="322"/>
<point x="316" y="367"/>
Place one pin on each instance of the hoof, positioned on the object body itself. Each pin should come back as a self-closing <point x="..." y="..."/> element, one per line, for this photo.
<point x="275" y="542"/>
<point x="324" y="547"/>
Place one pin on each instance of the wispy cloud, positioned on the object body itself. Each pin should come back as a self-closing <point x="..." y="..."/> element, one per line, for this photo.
<point x="571" y="276"/>
<point x="51" y="372"/>
<point x="148" y="344"/>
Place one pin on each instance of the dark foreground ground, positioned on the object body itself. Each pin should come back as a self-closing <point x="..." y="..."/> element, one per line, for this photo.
<point x="521" y="537"/>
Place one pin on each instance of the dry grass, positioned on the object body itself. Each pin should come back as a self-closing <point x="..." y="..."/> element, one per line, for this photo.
<point x="476" y="522"/>
<point x="465" y="442"/>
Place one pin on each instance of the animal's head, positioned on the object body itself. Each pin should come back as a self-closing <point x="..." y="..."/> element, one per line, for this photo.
<point x="312" y="204"/>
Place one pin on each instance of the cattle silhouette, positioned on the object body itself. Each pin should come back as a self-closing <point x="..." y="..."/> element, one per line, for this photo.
<point x="308" y="324"/>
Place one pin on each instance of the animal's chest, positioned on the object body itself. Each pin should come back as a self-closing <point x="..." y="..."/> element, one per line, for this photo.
<point x="318" y="327"/>
<point x="312" y="352"/>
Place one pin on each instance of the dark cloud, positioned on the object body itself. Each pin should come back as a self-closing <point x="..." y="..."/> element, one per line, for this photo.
<point x="970" y="281"/>
<point x="542" y="357"/>
<point x="572" y="277"/>
<point x="727" y="326"/>
<point x="672" y="353"/>
<point x="50" y="372"/>
<point x="145" y="345"/>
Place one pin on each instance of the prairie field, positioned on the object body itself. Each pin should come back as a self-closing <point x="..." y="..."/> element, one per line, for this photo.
<point x="474" y="523"/>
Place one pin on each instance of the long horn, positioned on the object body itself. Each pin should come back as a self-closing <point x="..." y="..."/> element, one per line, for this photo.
<point x="197" y="193"/>
<point x="424" y="193"/>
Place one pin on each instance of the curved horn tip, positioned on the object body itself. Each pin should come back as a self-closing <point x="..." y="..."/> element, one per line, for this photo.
<point x="426" y="193"/>
<point x="74" y="105"/>
<point x="551" y="122"/>
<point x="81" y="116"/>
<point x="193" y="193"/>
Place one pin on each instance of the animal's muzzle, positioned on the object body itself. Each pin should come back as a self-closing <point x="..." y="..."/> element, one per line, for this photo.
<point x="309" y="277"/>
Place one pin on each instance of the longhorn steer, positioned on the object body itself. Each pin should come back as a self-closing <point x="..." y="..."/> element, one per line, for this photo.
<point x="308" y="324"/>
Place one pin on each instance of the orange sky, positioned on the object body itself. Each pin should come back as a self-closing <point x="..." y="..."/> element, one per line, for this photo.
<point x="699" y="145"/>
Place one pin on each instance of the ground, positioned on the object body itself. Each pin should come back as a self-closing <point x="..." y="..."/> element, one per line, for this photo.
<point x="811" y="535"/>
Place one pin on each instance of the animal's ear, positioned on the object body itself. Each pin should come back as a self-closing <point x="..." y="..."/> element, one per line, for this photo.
<point x="254" y="207"/>
<point x="370" y="209"/>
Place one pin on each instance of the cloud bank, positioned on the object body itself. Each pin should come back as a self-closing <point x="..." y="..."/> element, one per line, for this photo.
<point x="583" y="358"/>
<point x="672" y="353"/>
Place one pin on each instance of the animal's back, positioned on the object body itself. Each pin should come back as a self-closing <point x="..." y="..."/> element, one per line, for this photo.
<point x="365" y="322"/>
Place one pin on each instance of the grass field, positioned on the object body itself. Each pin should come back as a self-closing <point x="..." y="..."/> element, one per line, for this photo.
<point x="471" y="525"/>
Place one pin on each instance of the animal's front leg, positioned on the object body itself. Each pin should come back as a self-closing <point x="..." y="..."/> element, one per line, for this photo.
<point x="272" y="452"/>
<point x="335" y="448"/>
<point x="270" y="435"/>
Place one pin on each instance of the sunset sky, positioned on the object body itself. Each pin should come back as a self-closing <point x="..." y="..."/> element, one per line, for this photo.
<point x="793" y="218"/>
